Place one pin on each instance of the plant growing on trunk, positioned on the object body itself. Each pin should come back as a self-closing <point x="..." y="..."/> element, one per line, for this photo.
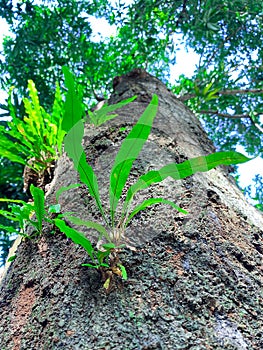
<point x="115" y="224"/>
<point x="35" y="141"/>
<point x="32" y="214"/>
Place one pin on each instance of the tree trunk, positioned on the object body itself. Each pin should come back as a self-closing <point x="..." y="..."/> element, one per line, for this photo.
<point x="194" y="281"/>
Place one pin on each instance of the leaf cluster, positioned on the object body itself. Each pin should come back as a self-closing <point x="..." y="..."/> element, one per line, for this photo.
<point x="116" y="222"/>
<point x="110" y="234"/>
<point x="36" y="140"/>
<point x="22" y="212"/>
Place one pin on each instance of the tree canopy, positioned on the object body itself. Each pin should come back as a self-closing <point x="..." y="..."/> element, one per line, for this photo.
<point x="225" y="90"/>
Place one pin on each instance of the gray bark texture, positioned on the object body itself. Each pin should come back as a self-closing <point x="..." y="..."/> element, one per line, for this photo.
<point x="194" y="281"/>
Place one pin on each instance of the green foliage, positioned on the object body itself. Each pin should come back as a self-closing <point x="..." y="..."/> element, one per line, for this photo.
<point x="104" y="256"/>
<point x="39" y="206"/>
<point x="100" y="116"/>
<point x="35" y="52"/>
<point x="128" y="153"/>
<point x="226" y="36"/>
<point x="23" y="212"/>
<point x="114" y="228"/>
<point x="36" y="140"/>
<point x="11" y="185"/>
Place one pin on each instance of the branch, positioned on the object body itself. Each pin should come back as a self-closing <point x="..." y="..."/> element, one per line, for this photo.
<point x="222" y="44"/>
<point x="187" y="97"/>
<point x="240" y="91"/>
<point x="234" y="116"/>
<point x="258" y="127"/>
<point x="180" y="17"/>
<point x="225" y="115"/>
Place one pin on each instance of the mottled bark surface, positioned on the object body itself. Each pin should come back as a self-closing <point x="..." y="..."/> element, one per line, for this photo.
<point x="195" y="281"/>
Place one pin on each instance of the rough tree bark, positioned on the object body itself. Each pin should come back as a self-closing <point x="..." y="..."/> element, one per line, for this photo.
<point x="195" y="281"/>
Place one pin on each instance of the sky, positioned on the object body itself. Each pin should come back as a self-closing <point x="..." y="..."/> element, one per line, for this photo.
<point x="248" y="170"/>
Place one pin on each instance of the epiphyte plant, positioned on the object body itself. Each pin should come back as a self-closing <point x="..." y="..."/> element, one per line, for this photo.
<point x="115" y="224"/>
<point x="29" y="213"/>
<point x="36" y="140"/>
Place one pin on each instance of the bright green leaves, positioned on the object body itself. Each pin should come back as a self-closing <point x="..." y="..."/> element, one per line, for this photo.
<point x="33" y="214"/>
<point x="102" y="115"/>
<point x="74" y="110"/>
<point x="8" y="149"/>
<point x="75" y="151"/>
<point x="111" y="231"/>
<point x="37" y="139"/>
<point x="131" y="147"/>
<point x="74" y="125"/>
<point x="76" y="236"/>
<point x="128" y="152"/>
<point x="185" y="169"/>
<point x="39" y="206"/>
<point x="149" y="202"/>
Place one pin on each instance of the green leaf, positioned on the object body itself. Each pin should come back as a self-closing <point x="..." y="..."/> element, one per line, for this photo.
<point x="185" y="169"/>
<point x="35" y="119"/>
<point x="39" y="205"/>
<point x="55" y="209"/>
<point x="12" y="258"/>
<point x="73" y="106"/>
<point x="36" y="137"/>
<point x="207" y="88"/>
<point x="74" y="149"/>
<point x="109" y="246"/>
<point x="101" y="115"/>
<point x="123" y="272"/>
<point x="90" y="224"/>
<point x="151" y="201"/>
<point x="8" y="216"/>
<point x="66" y="188"/>
<point x="8" y="149"/>
<point x="73" y="143"/>
<point x="76" y="236"/>
<point x="19" y="201"/>
<point x="128" y="153"/>
<point x="10" y="229"/>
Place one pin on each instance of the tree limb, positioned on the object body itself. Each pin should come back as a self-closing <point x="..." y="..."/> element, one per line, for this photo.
<point x="226" y="115"/>
<point x="240" y="91"/>
<point x="234" y="116"/>
<point x="187" y="97"/>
